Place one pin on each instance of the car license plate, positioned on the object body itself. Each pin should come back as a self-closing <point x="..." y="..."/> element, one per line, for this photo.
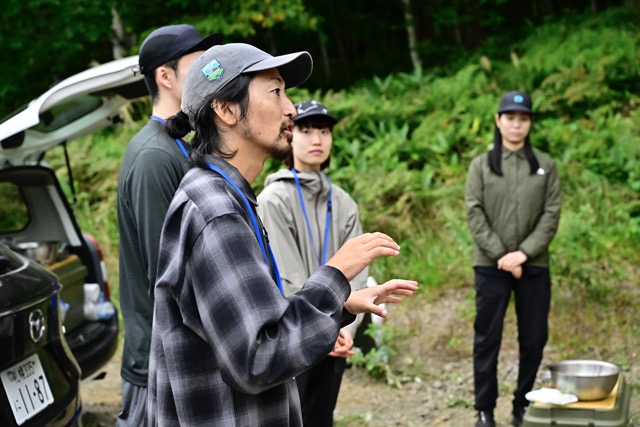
<point x="27" y="388"/>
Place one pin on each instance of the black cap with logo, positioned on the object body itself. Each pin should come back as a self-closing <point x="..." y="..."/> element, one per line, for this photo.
<point x="171" y="42"/>
<point x="515" y="101"/>
<point x="312" y="108"/>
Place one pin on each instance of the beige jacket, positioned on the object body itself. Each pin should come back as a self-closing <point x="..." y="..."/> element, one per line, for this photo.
<point x="281" y="212"/>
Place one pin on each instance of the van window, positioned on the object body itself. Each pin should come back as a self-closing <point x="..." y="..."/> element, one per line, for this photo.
<point x="14" y="215"/>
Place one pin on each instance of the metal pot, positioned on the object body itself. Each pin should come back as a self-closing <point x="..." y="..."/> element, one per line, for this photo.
<point x="587" y="379"/>
<point x="45" y="253"/>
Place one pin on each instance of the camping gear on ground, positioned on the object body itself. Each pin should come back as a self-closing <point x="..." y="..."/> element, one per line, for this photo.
<point x="587" y="379"/>
<point x="604" y="403"/>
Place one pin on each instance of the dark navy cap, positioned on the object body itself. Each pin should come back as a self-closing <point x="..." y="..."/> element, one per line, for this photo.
<point x="171" y="42"/>
<point x="312" y="108"/>
<point x="515" y="101"/>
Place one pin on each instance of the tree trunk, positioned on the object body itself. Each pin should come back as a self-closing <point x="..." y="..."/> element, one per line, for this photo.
<point x="473" y="32"/>
<point x="456" y="29"/>
<point x="411" y="35"/>
<point x="118" y="35"/>
<point x="550" y="10"/>
<point x="273" y="49"/>
<point x="325" y="57"/>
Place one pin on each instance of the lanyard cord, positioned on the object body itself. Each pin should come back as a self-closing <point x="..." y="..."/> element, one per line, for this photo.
<point x="325" y="243"/>
<point x="179" y="142"/>
<point x="254" y="222"/>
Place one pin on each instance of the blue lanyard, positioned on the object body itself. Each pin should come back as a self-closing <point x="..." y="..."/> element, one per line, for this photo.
<point x="327" y="226"/>
<point x="179" y="142"/>
<point x="267" y="256"/>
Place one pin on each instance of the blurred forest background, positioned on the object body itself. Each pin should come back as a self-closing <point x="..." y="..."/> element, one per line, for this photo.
<point x="44" y="41"/>
<point x="414" y="85"/>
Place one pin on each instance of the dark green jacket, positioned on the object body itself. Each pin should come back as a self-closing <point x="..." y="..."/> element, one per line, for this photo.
<point x="516" y="211"/>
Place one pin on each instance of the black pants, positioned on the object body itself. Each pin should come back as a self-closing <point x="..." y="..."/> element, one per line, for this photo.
<point x="532" y="299"/>
<point x="318" y="388"/>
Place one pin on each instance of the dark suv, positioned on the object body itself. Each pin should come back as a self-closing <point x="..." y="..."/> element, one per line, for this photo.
<point x="57" y="323"/>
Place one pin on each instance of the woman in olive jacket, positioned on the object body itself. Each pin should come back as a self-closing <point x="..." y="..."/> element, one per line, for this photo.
<point x="513" y="205"/>
<point x="308" y="219"/>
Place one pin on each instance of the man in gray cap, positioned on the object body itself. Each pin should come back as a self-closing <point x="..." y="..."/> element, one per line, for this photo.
<point x="151" y="170"/>
<point x="226" y="343"/>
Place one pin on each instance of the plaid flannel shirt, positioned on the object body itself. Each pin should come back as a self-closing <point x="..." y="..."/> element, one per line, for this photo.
<point x="226" y="343"/>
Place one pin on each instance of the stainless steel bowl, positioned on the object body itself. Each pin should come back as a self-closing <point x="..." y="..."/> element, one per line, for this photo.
<point x="587" y="379"/>
<point x="45" y="253"/>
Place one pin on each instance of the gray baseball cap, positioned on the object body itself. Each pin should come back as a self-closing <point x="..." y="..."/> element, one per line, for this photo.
<point x="220" y="64"/>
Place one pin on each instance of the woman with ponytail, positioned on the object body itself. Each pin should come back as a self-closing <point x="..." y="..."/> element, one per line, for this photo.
<point x="513" y="209"/>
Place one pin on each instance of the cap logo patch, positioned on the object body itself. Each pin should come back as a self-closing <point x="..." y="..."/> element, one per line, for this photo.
<point x="518" y="99"/>
<point x="213" y="70"/>
<point x="306" y="110"/>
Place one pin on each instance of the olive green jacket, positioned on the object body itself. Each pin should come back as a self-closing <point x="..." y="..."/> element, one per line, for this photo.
<point x="516" y="211"/>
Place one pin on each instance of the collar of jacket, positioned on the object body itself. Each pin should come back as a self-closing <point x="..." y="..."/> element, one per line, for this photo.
<point x="314" y="182"/>
<point x="506" y="153"/>
<point x="235" y="175"/>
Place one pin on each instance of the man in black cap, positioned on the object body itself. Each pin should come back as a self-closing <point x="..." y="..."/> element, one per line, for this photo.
<point x="151" y="171"/>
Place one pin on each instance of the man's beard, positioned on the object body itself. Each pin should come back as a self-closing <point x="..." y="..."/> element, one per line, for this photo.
<point x="279" y="149"/>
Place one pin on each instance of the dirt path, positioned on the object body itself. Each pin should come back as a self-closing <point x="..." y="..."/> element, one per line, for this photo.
<point x="362" y="402"/>
<point x="441" y="334"/>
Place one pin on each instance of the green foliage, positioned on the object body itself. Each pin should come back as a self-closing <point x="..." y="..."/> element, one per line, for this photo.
<point x="377" y="359"/>
<point x="14" y="215"/>
<point x="245" y="19"/>
<point x="44" y="41"/>
<point x="348" y="40"/>
<point x="404" y="141"/>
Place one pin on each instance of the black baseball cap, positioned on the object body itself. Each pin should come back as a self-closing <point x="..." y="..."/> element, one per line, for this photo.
<point x="312" y="108"/>
<point x="515" y="101"/>
<point x="171" y="42"/>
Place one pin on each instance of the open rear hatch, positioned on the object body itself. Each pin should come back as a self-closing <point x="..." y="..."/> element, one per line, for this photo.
<point x="35" y="217"/>
<point x="83" y="103"/>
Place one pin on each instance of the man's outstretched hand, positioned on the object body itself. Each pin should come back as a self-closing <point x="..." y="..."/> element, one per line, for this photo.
<point x="367" y="300"/>
<point x="357" y="253"/>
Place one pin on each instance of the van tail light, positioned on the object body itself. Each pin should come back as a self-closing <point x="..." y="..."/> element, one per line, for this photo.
<point x="103" y="267"/>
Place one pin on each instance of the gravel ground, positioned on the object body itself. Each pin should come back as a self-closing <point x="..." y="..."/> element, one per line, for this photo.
<point x="441" y="396"/>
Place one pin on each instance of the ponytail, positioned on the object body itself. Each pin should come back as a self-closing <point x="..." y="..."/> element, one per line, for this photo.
<point x="531" y="157"/>
<point x="178" y="126"/>
<point x="495" y="155"/>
